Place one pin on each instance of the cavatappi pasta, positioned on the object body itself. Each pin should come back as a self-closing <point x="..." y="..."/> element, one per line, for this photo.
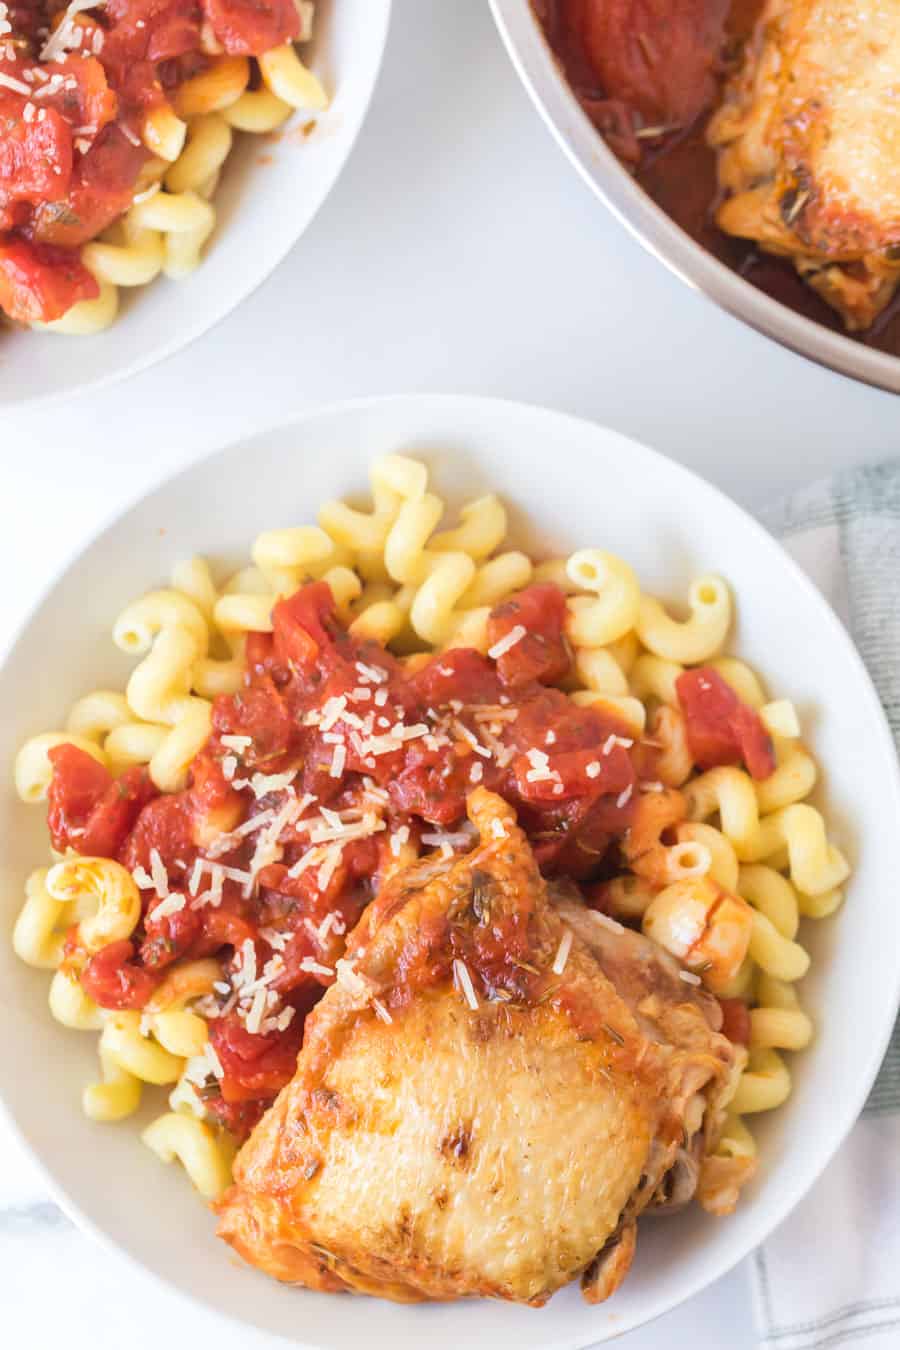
<point x="719" y="867"/>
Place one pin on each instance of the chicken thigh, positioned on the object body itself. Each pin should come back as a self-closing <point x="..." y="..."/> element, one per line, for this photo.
<point x="490" y="1093"/>
<point x="808" y="137"/>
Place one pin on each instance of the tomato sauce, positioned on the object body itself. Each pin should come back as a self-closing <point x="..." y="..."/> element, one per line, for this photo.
<point x="346" y="754"/>
<point x="411" y="748"/>
<point x="74" y="91"/>
<point x="721" y="729"/>
<point x="675" y="86"/>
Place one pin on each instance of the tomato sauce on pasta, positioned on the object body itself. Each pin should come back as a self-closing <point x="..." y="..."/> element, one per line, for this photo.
<point x="378" y="755"/>
<point x="76" y="86"/>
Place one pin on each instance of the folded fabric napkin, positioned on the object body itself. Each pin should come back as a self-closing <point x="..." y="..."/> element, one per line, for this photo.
<point x="831" y="1272"/>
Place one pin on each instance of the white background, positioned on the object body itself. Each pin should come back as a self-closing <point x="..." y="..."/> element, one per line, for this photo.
<point x="459" y="252"/>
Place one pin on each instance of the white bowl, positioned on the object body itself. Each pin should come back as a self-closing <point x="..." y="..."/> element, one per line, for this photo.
<point x="272" y="187"/>
<point x="616" y="187"/>
<point x="567" y="483"/>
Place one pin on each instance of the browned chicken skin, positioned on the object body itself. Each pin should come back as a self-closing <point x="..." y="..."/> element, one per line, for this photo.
<point x="809" y="141"/>
<point x="431" y="1149"/>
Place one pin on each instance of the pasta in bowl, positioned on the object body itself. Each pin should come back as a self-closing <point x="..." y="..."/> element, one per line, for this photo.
<point x="143" y="146"/>
<point x="402" y="779"/>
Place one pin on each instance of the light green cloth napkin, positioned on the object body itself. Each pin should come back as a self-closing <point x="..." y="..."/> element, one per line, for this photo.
<point x="830" y="1275"/>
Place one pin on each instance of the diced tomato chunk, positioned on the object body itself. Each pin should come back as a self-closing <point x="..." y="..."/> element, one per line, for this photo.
<point x="304" y="624"/>
<point x="39" y="284"/>
<point x="36" y="156"/>
<point x="102" y="187"/>
<point x="210" y="790"/>
<point x="239" y="1118"/>
<point x="112" y="980"/>
<point x="146" y="33"/>
<point x="435" y="788"/>
<point x="461" y="673"/>
<point x="223" y="927"/>
<point x="542" y="651"/>
<point x="260" y="653"/>
<point x="254" y="1066"/>
<point x="114" y="816"/>
<point x="83" y="96"/>
<point x="251" y="27"/>
<point x="720" y="728"/>
<point x="171" y="937"/>
<point x="261" y="713"/>
<point x="574" y="773"/>
<point x="735" y="1020"/>
<point x="666" y="78"/>
<point x="78" y="783"/>
<point x="164" y="825"/>
<point x="88" y="809"/>
<point x="755" y="742"/>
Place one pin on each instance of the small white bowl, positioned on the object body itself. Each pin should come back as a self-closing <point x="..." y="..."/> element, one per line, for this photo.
<point x="272" y="187"/>
<point x="567" y="483"/>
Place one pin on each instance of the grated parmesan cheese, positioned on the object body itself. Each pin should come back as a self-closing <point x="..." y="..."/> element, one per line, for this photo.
<point x="67" y="35"/>
<point x="469" y="737"/>
<point x="171" y="905"/>
<point x="17" y="86"/>
<point x="331" y="712"/>
<point x="372" y="674"/>
<point x="201" y="1067"/>
<point x="158" y="874"/>
<point x="238" y="743"/>
<point x="506" y="644"/>
<point x="398" y="839"/>
<point x="612" y="741"/>
<point x="463" y="981"/>
<point x="359" y="987"/>
<point x="314" y="967"/>
<point x="329" y="866"/>
<point x="254" y="1017"/>
<point x="338" y="761"/>
<point x="562" y="952"/>
<point x="262" y="784"/>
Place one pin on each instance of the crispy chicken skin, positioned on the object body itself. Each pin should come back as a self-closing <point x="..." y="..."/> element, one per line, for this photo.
<point x="501" y="1150"/>
<point x="809" y="142"/>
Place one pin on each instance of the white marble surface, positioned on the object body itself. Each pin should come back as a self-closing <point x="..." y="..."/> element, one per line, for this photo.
<point x="458" y="252"/>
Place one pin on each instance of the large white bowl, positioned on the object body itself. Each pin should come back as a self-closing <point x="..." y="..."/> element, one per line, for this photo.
<point x="271" y="189"/>
<point x="567" y="483"/>
<point x="623" y="195"/>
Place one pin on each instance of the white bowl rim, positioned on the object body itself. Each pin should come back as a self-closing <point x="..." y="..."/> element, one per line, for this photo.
<point x="254" y="277"/>
<point x="655" y="230"/>
<point x="845" y="1112"/>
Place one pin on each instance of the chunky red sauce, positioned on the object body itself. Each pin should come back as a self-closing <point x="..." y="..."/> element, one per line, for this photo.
<point x="346" y="755"/>
<point x="720" y="728"/>
<point x="74" y="90"/>
<point x="647" y="73"/>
